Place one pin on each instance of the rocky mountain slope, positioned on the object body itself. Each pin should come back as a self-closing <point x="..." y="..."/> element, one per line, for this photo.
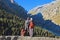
<point x="11" y="22"/>
<point x="47" y="16"/>
<point x="12" y="7"/>
<point x="50" y="11"/>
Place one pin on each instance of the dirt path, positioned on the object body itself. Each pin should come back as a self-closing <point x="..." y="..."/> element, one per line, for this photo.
<point x="26" y="38"/>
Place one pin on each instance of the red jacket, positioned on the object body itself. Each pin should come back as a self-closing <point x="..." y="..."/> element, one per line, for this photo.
<point x="31" y="25"/>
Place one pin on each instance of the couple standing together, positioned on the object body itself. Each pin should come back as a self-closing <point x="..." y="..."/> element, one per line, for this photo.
<point x="29" y="26"/>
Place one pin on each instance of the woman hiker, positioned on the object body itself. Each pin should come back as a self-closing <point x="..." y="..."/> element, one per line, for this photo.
<point x="31" y="27"/>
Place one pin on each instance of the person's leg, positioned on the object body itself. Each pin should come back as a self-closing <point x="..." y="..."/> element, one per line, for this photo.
<point x="30" y="32"/>
<point x="27" y="31"/>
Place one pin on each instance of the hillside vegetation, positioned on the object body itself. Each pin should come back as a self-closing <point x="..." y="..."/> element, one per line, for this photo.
<point x="11" y="25"/>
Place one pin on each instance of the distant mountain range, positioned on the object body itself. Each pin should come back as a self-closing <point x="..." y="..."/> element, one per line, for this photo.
<point x="47" y="16"/>
<point x="14" y="8"/>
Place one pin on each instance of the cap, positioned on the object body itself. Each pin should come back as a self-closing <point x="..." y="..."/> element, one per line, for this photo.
<point x="31" y="18"/>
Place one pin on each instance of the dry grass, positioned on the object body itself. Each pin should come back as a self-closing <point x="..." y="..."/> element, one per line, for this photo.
<point x="56" y="19"/>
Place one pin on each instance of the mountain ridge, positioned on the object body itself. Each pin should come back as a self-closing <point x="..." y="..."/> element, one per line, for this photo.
<point x="47" y="16"/>
<point x="14" y="8"/>
<point x="49" y="11"/>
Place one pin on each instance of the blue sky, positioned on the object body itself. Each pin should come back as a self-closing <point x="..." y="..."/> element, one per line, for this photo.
<point x="29" y="4"/>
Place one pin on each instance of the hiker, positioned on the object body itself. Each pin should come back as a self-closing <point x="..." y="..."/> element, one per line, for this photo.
<point x="31" y="27"/>
<point x="22" y="32"/>
<point x="27" y="25"/>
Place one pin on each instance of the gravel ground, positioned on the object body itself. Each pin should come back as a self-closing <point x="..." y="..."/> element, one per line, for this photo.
<point x="26" y="38"/>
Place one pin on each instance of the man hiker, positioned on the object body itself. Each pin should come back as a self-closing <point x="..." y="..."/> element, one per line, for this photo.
<point x="27" y="25"/>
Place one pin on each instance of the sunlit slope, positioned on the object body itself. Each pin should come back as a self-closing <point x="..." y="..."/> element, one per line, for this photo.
<point x="56" y="19"/>
<point x="50" y="11"/>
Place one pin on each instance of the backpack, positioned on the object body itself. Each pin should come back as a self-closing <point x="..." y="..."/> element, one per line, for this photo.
<point x="31" y="25"/>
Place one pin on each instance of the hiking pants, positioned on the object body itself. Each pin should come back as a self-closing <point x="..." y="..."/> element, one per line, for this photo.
<point x="31" y="32"/>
